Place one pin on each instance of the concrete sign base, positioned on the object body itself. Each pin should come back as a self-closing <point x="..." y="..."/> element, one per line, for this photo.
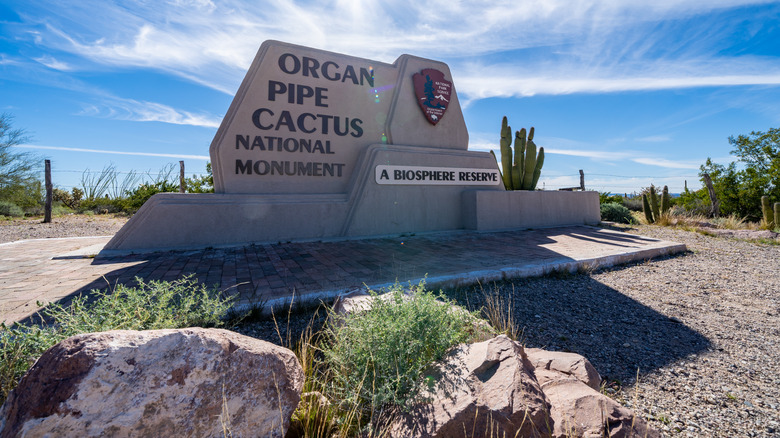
<point x="322" y="145"/>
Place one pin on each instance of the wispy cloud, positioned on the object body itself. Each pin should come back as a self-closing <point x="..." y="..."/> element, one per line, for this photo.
<point x="142" y="111"/>
<point x="52" y="63"/>
<point x="106" y="151"/>
<point x="654" y="139"/>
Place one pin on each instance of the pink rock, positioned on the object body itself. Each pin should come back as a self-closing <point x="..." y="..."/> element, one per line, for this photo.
<point x="580" y="411"/>
<point x="547" y="363"/>
<point x="486" y="386"/>
<point x="185" y="383"/>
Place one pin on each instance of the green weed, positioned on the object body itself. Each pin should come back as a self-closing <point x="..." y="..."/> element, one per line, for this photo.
<point x="374" y="358"/>
<point x="150" y="305"/>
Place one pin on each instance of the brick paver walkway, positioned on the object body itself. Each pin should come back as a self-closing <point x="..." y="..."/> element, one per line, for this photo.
<point x="35" y="270"/>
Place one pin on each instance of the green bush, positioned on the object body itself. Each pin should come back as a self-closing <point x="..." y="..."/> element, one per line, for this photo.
<point x="607" y="197"/>
<point x="10" y="209"/>
<point x="615" y="212"/>
<point x="375" y="357"/>
<point x="153" y="305"/>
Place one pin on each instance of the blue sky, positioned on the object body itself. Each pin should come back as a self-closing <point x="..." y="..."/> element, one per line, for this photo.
<point x="632" y="92"/>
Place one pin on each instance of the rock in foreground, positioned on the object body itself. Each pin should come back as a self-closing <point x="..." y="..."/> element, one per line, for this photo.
<point x="189" y="383"/>
<point x="486" y="386"/>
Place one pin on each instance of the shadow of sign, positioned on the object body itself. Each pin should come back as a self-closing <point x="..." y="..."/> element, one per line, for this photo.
<point x="618" y="334"/>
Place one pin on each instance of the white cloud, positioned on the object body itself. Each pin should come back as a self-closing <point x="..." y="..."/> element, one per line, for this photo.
<point x="106" y="151"/>
<point x="662" y="162"/>
<point x="142" y="111"/>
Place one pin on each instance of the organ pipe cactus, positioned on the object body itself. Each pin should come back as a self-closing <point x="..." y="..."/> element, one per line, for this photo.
<point x="665" y="200"/>
<point x="769" y="215"/>
<point x="521" y="171"/>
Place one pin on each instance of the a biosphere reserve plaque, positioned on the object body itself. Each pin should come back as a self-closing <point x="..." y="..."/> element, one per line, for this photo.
<point x="318" y="144"/>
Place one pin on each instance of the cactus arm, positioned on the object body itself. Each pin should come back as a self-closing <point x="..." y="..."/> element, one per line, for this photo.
<point x="538" y="168"/>
<point x="506" y="154"/>
<point x="530" y="164"/>
<point x="517" y="168"/>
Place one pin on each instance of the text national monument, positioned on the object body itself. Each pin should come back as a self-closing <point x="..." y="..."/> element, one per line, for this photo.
<point x="322" y="145"/>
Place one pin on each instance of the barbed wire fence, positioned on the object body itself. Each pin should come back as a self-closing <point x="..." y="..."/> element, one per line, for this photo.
<point x="114" y="183"/>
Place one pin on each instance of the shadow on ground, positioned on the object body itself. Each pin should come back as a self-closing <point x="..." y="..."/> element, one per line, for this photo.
<point x="576" y="313"/>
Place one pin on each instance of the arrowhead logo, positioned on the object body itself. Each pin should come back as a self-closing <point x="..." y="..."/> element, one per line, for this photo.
<point x="433" y="93"/>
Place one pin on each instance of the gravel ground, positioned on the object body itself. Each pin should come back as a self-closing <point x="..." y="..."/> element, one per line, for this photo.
<point x="60" y="226"/>
<point x="701" y="330"/>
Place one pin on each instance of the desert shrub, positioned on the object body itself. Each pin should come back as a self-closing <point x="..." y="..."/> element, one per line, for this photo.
<point x="70" y="199"/>
<point x="695" y="203"/>
<point x="615" y="212"/>
<point x="101" y="206"/>
<point x="633" y="204"/>
<point x="143" y="192"/>
<point x="375" y="357"/>
<point x="153" y="305"/>
<point x="10" y="209"/>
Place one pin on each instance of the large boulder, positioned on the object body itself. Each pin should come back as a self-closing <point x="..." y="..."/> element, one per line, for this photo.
<point x="191" y="383"/>
<point x="578" y="409"/>
<point x="483" y="387"/>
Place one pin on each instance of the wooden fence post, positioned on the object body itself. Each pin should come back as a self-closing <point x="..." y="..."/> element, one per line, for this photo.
<point x="49" y="194"/>
<point x="182" y="184"/>
<point x="714" y="199"/>
<point x="582" y="180"/>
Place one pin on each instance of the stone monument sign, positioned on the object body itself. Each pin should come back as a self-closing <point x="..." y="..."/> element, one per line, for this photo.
<point x="322" y="145"/>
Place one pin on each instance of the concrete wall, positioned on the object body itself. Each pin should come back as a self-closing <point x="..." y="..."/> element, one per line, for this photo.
<point x="486" y="210"/>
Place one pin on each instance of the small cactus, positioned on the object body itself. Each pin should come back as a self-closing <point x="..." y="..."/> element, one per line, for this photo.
<point x="646" y="208"/>
<point x="769" y="216"/>
<point x="521" y="171"/>
<point x="665" y="201"/>
<point x="777" y="214"/>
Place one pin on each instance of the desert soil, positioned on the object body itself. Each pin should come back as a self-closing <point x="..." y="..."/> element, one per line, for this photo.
<point x="73" y="225"/>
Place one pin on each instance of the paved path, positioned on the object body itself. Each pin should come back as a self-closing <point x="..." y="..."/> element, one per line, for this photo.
<point x="50" y="270"/>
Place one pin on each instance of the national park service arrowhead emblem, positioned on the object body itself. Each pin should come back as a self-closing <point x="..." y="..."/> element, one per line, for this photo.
<point x="433" y="93"/>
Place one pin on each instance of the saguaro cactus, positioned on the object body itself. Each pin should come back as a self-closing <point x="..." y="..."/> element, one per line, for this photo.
<point x="769" y="216"/>
<point x="521" y="171"/>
